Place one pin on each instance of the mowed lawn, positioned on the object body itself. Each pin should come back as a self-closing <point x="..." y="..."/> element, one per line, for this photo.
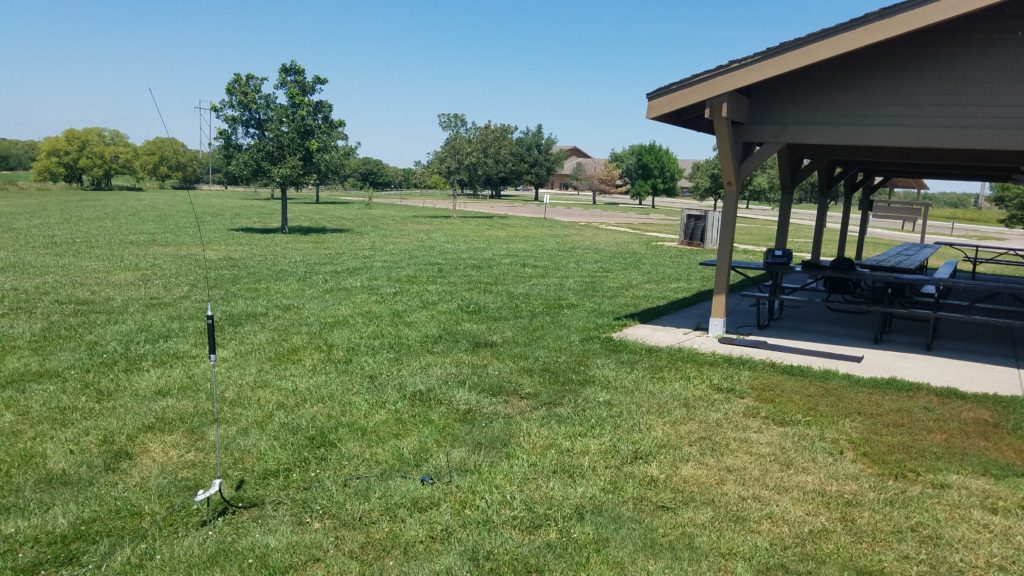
<point x="387" y="342"/>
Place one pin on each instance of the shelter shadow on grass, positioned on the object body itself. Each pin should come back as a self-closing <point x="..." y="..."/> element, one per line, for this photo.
<point x="294" y="230"/>
<point x="649" y="314"/>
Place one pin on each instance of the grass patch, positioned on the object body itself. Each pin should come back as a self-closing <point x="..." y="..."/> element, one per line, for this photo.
<point x="408" y="343"/>
<point x="902" y="432"/>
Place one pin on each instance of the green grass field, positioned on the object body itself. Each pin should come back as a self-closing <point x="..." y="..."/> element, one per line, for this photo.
<point x="390" y="340"/>
<point x="990" y="216"/>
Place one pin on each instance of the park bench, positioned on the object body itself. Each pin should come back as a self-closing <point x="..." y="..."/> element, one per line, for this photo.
<point x="891" y="210"/>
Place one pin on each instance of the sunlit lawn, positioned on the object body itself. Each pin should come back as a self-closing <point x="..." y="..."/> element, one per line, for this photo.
<point x="390" y="342"/>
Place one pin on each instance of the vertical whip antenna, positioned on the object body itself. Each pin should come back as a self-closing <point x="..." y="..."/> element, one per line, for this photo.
<point x="195" y="215"/>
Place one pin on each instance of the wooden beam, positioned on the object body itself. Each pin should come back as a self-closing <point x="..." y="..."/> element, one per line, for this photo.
<point x="808" y="169"/>
<point x="996" y="139"/>
<point x="850" y="187"/>
<point x="732" y="106"/>
<point x="865" y="212"/>
<point x="729" y="150"/>
<point x="758" y="158"/>
<point x="840" y="176"/>
<point x="789" y="167"/>
<point x="821" y="217"/>
<point x="938" y="156"/>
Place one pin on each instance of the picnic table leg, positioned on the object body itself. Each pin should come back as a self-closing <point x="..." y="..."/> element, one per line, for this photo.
<point x="933" y="328"/>
<point x="763" y="312"/>
<point x="775" y="306"/>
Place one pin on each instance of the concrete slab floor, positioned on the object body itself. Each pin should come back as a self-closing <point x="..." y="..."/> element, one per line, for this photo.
<point x="969" y="356"/>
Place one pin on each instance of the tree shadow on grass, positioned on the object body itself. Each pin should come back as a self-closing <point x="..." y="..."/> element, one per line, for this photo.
<point x="292" y="230"/>
<point x="262" y="197"/>
<point x="461" y="216"/>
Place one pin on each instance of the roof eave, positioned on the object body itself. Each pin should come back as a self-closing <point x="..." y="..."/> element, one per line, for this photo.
<point x="693" y="92"/>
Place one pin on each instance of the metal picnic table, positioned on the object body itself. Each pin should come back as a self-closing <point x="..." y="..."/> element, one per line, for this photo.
<point x="986" y="254"/>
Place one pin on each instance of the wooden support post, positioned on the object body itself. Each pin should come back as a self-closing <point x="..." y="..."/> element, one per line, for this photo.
<point x="723" y="112"/>
<point x="865" y="213"/>
<point x="821" y="217"/>
<point x="849" y="189"/>
<point x="924" y="222"/>
<point x="789" y="166"/>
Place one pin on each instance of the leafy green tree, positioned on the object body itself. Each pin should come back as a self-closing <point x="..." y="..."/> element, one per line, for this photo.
<point x="332" y="166"/>
<point x="435" y="182"/>
<point x="706" y="180"/>
<point x="456" y="160"/>
<point x="277" y="137"/>
<point x="537" y="157"/>
<point x="370" y="173"/>
<point x="763" y="185"/>
<point x="420" y="177"/>
<point x="807" y="191"/>
<point x="59" y="158"/>
<point x="164" y="159"/>
<point x="498" y="157"/>
<point x="579" y="177"/>
<point x="90" y="156"/>
<point x="17" y="155"/>
<point x="1010" y="198"/>
<point x="649" y="170"/>
<point x="107" y="153"/>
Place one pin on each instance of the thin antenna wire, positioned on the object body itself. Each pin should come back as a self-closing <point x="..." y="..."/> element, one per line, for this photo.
<point x="195" y="215"/>
<point x="160" y="114"/>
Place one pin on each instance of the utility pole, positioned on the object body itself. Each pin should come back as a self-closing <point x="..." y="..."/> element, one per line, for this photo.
<point x="981" y="196"/>
<point x="206" y="136"/>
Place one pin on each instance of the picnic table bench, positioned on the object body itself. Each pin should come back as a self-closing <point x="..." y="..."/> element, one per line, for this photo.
<point x="986" y="254"/>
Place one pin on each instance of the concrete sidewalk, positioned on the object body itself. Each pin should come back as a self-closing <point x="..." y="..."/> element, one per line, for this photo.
<point x="968" y="356"/>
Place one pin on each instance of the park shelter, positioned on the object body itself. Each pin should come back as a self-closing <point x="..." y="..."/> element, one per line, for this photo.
<point x="920" y="89"/>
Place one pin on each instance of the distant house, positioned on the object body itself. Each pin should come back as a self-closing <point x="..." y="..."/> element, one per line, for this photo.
<point x="560" y="181"/>
<point x="684" y="184"/>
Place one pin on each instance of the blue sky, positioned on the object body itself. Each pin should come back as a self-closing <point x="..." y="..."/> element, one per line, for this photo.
<point x="582" y="69"/>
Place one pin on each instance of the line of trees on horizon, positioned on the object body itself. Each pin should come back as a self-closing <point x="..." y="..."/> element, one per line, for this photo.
<point x="286" y="137"/>
<point x="493" y="156"/>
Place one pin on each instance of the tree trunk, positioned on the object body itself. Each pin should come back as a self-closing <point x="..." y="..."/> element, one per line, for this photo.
<point x="714" y="207"/>
<point x="640" y="200"/>
<point x="536" y="193"/>
<point x="652" y="200"/>
<point x="748" y="203"/>
<point x="284" y="209"/>
<point x="455" y="200"/>
<point x="593" y="197"/>
<point x="318" y="193"/>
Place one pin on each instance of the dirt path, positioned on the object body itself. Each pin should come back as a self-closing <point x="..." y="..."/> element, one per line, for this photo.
<point x="535" y="211"/>
<point x="1009" y="238"/>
